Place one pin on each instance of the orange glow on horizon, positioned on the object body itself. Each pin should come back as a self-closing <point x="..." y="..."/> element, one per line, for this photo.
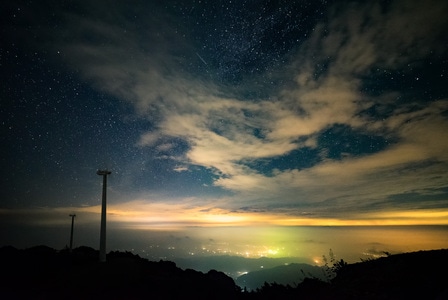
<point x="149" y="215"/>
<point x="142" y="214"/>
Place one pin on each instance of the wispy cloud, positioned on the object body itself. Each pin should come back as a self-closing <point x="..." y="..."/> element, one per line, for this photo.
<point x="224" y="130"/>
<point x="180" y="168"/>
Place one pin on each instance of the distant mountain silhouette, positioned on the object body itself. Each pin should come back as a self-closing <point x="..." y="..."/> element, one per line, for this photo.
<point x="234" y="265"/>
<point x="291" y="274"/>
<point x="44" y="273"/>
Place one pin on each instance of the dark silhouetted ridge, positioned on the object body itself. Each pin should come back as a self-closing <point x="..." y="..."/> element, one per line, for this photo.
<point x="415" y="275"/>
<point x="44" y="273"/>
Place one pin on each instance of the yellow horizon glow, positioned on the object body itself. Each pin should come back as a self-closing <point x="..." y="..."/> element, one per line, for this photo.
<point x="141" y="214"/>
<point x="146" y="215"/>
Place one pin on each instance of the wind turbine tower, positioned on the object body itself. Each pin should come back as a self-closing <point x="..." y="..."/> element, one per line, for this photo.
<point x="103" y="173"/>
<point x="71" y="232"/>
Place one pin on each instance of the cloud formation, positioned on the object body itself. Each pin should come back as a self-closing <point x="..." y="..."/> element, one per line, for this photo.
<point x="326" y="84"/>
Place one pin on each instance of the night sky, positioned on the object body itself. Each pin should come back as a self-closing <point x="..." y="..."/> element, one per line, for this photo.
<point x="222" y="113"/>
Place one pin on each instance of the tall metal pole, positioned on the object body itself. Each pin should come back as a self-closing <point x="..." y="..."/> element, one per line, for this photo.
<point x="71" y="232"/>
<point x="104" y="173"/>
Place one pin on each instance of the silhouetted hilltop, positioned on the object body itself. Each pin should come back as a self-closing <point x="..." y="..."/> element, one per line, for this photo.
<point x="44" y="273"/>
<point x="415" y="275"/>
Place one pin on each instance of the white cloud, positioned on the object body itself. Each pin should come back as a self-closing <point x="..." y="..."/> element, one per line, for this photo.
<point x="148" y="139"/>
<point x="416" y="164"/>
<point x="222" y="130"/>
<point x="180" y="168"/>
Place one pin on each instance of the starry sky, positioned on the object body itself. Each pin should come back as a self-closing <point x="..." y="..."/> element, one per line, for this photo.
<point x="223" y="113"/>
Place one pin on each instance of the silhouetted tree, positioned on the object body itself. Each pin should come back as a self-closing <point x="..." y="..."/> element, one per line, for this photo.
<point x="332" y="266"/>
